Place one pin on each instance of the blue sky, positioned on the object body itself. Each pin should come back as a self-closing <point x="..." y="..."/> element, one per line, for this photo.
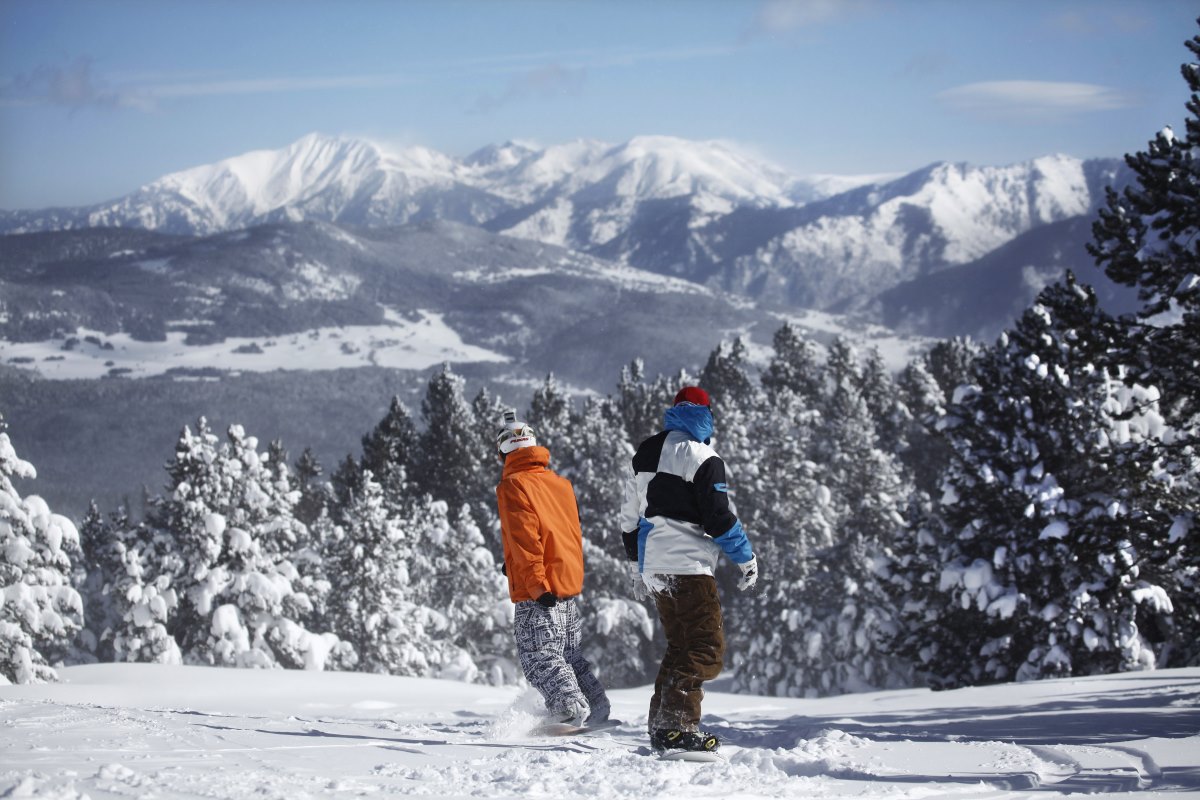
<point x="99" y="97"/>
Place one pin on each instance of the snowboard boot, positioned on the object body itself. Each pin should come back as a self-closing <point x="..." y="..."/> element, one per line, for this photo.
<point x="576" y="714"/>
<point x="664" y="740"/>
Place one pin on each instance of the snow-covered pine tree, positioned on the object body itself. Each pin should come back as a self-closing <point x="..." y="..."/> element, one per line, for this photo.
<point x="795" y="365"/>
<point x="550" y="414"/>
<point x="734" y="396"/>
<point x="242" y="600"/>
<point x="369" y="557"/>
<point x="949" y="363"/>
<point x="98" y="562"/>
<point x="725" y="375"/>
<point x="144" y="600"/>
<point x="188" y="514"/>
<point x="619" y="635"/>
<point x="891" y="417"/>
<point x="853" y="612"/>
<point x="488" y="411"/>
<point x="41" y="612"/>
<point x="390" y="450"/>
<point x="316" y="495"/>
<point x="785" y="507"/>
<point x="1052" y="549"/>
<point x="1148" y="236"/>
<point x="924" y="452"/>
<point x="642" y="404"/>
<point x="460" y="597"/>
<point x="453" y="464"/>
<point x="261" y="612"/>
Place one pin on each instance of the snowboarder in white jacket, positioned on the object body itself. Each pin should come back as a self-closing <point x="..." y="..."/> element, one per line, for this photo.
<point x="676" y="522"/>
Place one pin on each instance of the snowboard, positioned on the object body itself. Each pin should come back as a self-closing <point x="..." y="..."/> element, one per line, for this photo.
<point x="567" y="729"/>
<point x="707" y="756"/>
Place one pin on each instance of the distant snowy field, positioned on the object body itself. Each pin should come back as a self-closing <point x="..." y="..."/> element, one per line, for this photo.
<point x="398" y="343"/>
<point x="150" y="731"/>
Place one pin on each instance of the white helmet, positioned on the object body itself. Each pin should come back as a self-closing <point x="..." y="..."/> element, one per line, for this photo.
<point x="514" y="434"/>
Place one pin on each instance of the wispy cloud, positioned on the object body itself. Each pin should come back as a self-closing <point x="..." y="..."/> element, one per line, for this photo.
<point x="551" y="80"/>
<point x="567" y="74"/>
<point x="1030" y="99"/>
<point x="783" y="17"/>
<point x="275" y="85"/>
<point x="76" y="85"/>
<point x="1092" y="22"/>
<point x="72" y="86"/>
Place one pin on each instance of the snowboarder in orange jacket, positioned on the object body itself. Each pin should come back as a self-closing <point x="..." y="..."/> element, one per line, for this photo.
<point x="543" y="559"/>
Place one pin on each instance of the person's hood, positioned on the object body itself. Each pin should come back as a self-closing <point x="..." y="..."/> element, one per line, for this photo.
<point x="695" y="421"/>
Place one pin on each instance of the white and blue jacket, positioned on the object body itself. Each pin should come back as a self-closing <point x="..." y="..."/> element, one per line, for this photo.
<point x="677" y="518"/>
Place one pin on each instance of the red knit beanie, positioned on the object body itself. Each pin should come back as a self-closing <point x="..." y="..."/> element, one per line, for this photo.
<point x="692" y="394"/>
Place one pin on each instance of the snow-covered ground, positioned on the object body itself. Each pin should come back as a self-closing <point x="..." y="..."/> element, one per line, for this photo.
<point x="399" y="343"/>
<point x="149" y="731"/>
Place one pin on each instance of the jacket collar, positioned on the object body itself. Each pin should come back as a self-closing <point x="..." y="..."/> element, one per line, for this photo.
<point x="526" y="459"/>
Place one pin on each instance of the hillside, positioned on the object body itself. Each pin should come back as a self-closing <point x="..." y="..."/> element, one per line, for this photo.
<point x="182" y="732"/>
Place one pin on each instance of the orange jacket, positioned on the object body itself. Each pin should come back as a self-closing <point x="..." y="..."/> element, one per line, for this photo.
<point x="539" y="524"/>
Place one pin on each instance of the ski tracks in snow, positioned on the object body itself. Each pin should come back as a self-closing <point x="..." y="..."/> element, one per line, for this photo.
<point x="331" y="736"/>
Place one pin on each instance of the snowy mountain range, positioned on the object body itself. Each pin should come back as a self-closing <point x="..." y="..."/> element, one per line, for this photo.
<point x="702" y="211"/>
<point x="333" y="272"/>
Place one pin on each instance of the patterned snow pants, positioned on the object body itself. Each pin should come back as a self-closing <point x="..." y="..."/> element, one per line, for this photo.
<point x="690" y="611"/>
<point x="548" y="641"/>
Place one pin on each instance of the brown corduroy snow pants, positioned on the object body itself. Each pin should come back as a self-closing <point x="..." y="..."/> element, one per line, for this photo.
<point x="690" y="611"/>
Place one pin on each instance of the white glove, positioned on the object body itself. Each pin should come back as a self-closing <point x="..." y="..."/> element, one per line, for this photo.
<point x="749" y="574"/>
<point x="638" y="586"/>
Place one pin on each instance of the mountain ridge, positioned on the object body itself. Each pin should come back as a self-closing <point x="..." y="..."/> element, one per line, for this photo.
<point x="702" y="211"/>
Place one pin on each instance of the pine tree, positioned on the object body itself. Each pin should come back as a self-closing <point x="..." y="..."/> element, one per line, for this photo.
<point x="725" y="375"/>
<point x="619" y="635"/>
<point x="950" y="361"/>
<point x="316" y="495"/>
<point x="188" y="514"/>
<point x="869" y="495"/>
<point x="786" y="510"/>
<point x="144" y="600"/>
<point x="550" y="414"/>
<point x="41" y="613"/>
<point x="795" y="365"/>
<point x="390" y="450"/>
<point x="100" y="563"/>
<point x="641" y="404"/>
<point x="1051" y="553"/>
<point x="461" y="597"/>
<point x="454" y="464"/>
<point x="1148" y="236"/>
<point x="242" y="599"/>
<point x="369" y="559"/>
<point x="924" y="452"/>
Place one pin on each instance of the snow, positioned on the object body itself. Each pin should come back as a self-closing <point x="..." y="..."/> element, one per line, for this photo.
<point x="399" y="343"/>
<point x="896" y="350"/>
<point x="149" y="730"/>
<point x="1058" y="529"/>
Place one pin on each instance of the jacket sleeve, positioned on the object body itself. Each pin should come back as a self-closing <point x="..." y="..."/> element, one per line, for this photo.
<point x="523" y="531"/>
<point x="630" y="517"/>
<point x="716" y="517"/>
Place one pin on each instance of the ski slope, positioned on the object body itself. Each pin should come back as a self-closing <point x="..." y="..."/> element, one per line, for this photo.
<point x="150" y="731"/>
